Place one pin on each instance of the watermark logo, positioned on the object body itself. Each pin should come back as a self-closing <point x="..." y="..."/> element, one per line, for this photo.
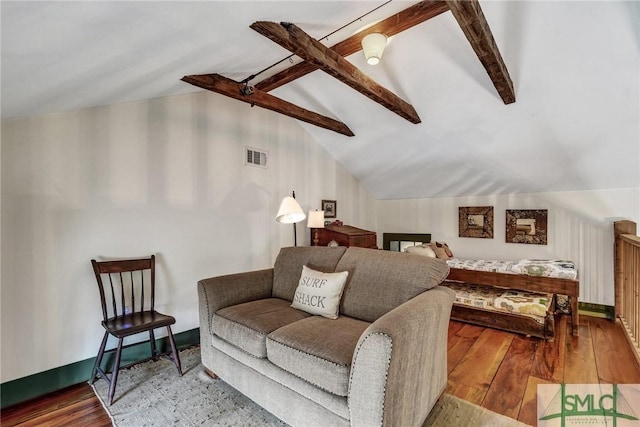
<point x="607" y="405"/>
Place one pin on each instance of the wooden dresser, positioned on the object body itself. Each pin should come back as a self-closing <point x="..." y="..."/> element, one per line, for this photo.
<point x="346" y="235"/>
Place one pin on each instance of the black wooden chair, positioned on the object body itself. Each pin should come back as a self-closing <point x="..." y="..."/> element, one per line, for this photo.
<point x="128" y="298"/>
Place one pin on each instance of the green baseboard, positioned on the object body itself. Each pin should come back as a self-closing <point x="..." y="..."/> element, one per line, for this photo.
<point x="596" y="310"/>
<point x="32" y="386"/>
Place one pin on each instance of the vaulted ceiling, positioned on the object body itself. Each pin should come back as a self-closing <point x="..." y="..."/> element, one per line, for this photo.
<point x="575" y="68"/>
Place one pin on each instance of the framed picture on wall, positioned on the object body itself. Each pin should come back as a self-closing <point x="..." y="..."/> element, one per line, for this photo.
<point x="527" y="226"/>
<point x="475" y="221"/>
<point x="330" y="208"/>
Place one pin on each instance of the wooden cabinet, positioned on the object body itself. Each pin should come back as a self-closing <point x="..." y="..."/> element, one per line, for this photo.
<point x="346" y="235"/>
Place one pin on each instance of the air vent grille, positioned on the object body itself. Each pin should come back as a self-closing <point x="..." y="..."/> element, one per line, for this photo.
<point x="256" y="157"/>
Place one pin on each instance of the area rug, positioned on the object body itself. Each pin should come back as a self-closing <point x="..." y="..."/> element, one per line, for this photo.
<point x="453" y="411"/>
<point x="152" y="394"/>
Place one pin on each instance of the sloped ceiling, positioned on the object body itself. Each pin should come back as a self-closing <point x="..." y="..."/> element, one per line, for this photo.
<point x="575" y="65"/>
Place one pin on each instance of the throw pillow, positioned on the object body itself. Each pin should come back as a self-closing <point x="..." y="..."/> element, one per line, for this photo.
<point x="319" y="293"/>
<point x="424" y="250"/>
<point x="442" y="250"/>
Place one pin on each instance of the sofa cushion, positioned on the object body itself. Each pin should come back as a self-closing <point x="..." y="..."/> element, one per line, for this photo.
<point x="379" y="281"/>
<point x="288" y="266"/>
<point x="247" y="325"/>
<point x="318" y="350"/>
<point x="319" y="293"/>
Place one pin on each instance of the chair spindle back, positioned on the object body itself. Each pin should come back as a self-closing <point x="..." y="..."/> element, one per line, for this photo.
<point x="130" y="287"/>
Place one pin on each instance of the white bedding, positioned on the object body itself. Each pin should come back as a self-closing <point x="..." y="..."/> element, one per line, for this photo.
<point x="532" y="267"/>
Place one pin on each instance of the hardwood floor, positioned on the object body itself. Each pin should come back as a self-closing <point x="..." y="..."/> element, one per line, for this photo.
<point x="74" y="406"/>
<point x="494" y="369"/>
<point x="500" y="371"/>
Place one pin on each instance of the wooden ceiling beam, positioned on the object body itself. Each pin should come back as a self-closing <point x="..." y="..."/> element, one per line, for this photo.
<point x="390" y="26"/>
<point x="475" y="27"/>
<point x="297" y="41"/>
<point x="236" y="90"/>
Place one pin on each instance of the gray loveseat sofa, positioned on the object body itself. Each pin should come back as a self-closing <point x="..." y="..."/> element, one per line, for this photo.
<point x="383" y="361"/>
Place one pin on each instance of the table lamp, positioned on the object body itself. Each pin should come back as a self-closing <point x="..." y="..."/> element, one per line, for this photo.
<point x="316" y="220"/>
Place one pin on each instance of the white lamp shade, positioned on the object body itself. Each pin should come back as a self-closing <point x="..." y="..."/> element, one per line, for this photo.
<point x="316" y="219"/>
<point x="290" y="211"/>
<point x="373" y="45"/>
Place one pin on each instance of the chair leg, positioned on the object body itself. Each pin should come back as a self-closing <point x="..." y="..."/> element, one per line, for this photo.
<point x="152" y="343"/>
<point x="96" y="365"/>
<point x="174" y="350"/>
<point x="114" y="373"/>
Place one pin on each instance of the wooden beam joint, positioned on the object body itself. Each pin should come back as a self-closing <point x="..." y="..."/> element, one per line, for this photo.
<point x="294" y="39"/>
<point x="403" y="20"/>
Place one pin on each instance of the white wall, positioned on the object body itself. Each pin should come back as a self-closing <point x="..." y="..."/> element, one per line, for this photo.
<point x="163" y="176"/>
<point x="580" y="228"/>
<point x="166" y="176"/>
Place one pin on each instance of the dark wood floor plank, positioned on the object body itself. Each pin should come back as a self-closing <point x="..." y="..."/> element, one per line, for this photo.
<point x="478" y="367"/>
<point x="507" y="389"/>
<point x="454" y="328"/>
<point x="73" y="405"/>
<point x="614" y="366"/>
<point x="468" y="330"/>
<point x="529" y="407"/>
<point x="461" y="338"/>
<point x="465" y="392"/>
<point x="37" y="407"/>
<point x="471" y="377"/>
<point x="548" y="363"/>
<point x="457" y="351"/>
<point x="86" y="413"/>
<point x="580" y="362"/>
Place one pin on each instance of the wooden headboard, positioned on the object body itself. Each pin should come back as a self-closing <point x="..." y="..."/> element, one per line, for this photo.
<point x="396" y="241"/>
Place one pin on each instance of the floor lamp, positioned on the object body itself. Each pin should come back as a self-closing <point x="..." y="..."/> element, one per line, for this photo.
<point x="290" y="212"/>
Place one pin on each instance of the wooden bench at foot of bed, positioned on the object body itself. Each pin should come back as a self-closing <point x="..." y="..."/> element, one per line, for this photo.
<point x="547" y="285"/>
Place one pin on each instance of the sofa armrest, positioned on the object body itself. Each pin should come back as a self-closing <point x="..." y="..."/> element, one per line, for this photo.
<point x="399" y="368"/>
<point x="219" y="292"/>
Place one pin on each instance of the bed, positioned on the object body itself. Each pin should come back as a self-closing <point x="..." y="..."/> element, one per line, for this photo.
<point x="527" y="276"/>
